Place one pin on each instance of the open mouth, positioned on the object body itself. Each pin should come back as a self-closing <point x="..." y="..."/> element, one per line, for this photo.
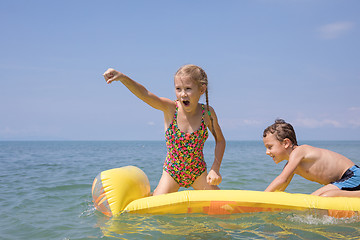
<point x="186" y="103"/>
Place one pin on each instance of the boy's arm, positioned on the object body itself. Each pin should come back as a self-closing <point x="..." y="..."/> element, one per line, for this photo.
<point x="138" y="90"/>
<point x="214" y="177"/>
<point x="282" y="181"/>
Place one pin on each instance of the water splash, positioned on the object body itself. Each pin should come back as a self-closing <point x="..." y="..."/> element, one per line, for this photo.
<point x="320" y="219"/>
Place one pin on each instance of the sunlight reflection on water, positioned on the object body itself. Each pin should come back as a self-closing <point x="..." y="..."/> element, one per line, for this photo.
<point x="289" y="225"/>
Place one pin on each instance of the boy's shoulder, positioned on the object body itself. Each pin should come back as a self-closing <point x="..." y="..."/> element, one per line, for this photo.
<point x="307" y="151"/>
<point x="305" y="147"/>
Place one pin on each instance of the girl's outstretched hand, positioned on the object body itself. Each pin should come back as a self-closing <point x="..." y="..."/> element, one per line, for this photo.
<point x="112" y="75"/>
<point x="213" y="178"/>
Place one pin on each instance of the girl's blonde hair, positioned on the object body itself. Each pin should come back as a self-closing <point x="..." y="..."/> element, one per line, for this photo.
<point x="198" y="75"/>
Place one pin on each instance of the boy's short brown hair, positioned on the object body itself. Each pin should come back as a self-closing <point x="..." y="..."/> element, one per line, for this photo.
<point x="281" y="130"/>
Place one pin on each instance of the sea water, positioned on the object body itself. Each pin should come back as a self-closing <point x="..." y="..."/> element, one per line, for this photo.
<point x="46" y="193"/>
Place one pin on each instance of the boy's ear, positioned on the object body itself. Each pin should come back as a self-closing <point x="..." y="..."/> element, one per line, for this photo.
<point x="287" y="143"/>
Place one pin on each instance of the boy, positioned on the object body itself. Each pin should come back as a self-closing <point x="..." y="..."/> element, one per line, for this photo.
<point x="339" y="174"/>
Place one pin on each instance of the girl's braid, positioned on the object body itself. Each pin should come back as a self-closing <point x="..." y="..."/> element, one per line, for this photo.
<point x="204" y="80"/>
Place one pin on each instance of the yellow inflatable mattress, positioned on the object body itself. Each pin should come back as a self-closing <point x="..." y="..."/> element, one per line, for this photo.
<point x="127" y="189"/>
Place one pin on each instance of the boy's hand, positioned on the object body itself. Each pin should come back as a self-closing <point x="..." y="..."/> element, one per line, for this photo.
<point x="112" y="75"/>
<point x="213" y="178"/>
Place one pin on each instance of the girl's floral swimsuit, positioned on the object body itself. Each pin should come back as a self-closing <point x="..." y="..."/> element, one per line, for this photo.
<point x="185" y="158"/>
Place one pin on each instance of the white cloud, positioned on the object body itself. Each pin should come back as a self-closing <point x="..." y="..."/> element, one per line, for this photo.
<point x="151" y="123"/>
<point x="250" y="122"/>
<point x="314" y="123"/>
<point x="355" y="122"/>
<point x="354" y="117"/>
<point x="354" y="109"/>
<point x="7" y="131"/>
<point x="335" y="30"/>
<point x="231" y="123"/>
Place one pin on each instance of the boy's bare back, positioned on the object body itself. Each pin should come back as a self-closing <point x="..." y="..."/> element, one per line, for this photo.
<point x="319" y="165"/>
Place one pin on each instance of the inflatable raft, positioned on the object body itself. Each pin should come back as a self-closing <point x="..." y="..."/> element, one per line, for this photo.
<point x="127" y="189"/>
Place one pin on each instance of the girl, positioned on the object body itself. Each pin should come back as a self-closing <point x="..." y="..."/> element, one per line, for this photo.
<point x="186" y="129"/>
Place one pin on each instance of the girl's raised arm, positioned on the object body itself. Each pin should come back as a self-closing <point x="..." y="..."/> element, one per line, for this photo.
<point x="163" y="104"/>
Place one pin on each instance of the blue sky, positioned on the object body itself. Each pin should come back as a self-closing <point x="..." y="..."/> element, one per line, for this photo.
<point x="265" y="59"/>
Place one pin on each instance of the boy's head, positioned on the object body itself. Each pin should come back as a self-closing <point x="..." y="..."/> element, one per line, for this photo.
<point x="281" y="131"/>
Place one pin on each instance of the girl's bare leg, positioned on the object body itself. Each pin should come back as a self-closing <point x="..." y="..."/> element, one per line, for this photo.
<point x="166" y="185"/>
<point x="201" y="183"/>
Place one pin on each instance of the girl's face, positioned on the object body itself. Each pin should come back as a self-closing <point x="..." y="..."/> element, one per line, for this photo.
<point x="276" y="149"/>
<point x="188" y="92"/>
